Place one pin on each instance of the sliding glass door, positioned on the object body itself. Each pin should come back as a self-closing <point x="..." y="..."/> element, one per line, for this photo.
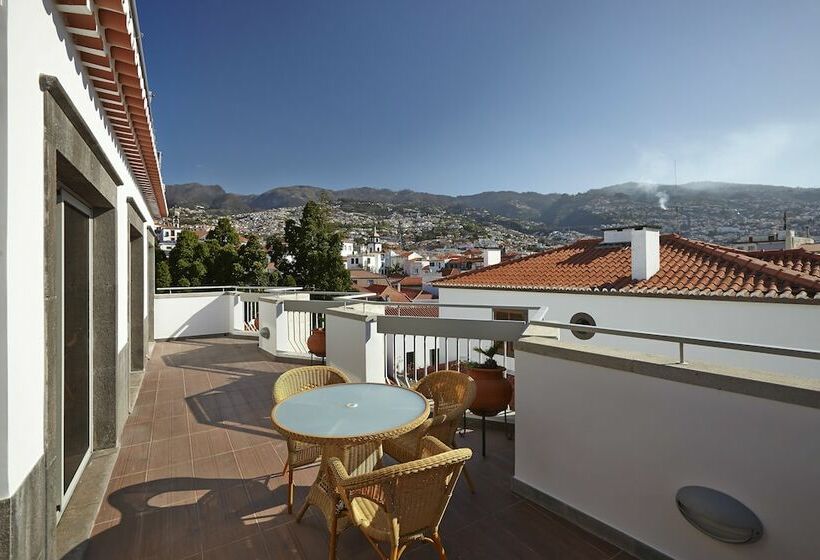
<point x="74" y="291"/>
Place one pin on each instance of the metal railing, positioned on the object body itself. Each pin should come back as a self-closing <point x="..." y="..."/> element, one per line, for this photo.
<point x="682" y="341"/>
<point x="416" y="346"/>
<point x="259" y="289"/>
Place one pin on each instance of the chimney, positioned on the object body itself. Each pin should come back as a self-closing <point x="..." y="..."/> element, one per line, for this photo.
<point x="491" y="256"/>
<point x="646" y="248"/>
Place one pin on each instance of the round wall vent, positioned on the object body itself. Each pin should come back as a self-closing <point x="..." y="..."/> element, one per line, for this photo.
<point x="264" y="332"/>
<point x="719" y="515"/>
<point x="583" y="319"/>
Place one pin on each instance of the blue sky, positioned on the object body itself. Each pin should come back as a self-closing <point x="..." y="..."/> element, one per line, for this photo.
<point x="472" y="95"/>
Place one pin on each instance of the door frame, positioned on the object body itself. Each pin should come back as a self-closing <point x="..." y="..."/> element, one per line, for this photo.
<point x="65" y="196"/>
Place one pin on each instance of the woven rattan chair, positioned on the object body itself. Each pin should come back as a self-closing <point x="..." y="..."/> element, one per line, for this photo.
<point x="290" y="383"/>
<point x="452" y="392"/>
<point x="403" y="503"/>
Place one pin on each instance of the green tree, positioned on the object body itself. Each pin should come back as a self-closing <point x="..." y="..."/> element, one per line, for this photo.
<point x="224" y="233"/>
<point x="221" y="263"/>
<point x="252" y="263"/>
<point x="187" y="260"/>
<point x="162" y="271"/>
<point x="315" y="246"/>
<point x="395" y="270"/>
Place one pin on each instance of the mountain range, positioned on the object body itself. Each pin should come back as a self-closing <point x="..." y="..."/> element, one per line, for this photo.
<point x="584" y="211"/>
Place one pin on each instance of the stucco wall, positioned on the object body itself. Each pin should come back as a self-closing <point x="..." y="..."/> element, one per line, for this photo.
<point x="618" y="445"/>
<point x="38" y="45"/>
<point x="179" y="315"/>
<point x="776" y="324"/>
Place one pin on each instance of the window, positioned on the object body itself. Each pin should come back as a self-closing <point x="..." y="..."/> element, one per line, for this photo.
<point x="583" y="319"/>
<point x="500" y="314"/>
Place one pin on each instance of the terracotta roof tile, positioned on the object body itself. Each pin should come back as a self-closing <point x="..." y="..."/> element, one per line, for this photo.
<point x="687" y="268"/>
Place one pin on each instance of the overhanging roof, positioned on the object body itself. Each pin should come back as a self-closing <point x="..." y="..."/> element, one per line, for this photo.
<point x="106" y="35"/>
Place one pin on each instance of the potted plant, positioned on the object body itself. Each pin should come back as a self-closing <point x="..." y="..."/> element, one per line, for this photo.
<point x="493" y="390"/>
<point x="317" y="342"/>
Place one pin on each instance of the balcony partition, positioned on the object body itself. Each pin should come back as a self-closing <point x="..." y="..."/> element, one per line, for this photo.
<point x="209" y="310"/>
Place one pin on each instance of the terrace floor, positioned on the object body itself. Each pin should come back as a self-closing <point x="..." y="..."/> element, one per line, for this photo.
<point x="198" y="477"/>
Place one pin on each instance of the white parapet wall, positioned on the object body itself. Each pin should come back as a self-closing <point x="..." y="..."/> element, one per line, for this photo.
<point x="613" y="435"/>
<point x="354" y="344"/>
<point x="194" y="314"/>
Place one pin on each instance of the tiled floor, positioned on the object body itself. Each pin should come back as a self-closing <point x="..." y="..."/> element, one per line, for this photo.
<point x="197" y="477"/>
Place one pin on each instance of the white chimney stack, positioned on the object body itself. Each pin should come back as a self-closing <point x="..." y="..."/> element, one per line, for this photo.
<point x="646" y="248"/>
<point x="491" y="256"/>
<point x="646" y="252"/>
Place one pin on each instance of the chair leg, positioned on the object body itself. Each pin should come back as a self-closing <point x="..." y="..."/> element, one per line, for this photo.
<point x="285" y="468"/>
<point x="302" y="511"/>
<point x="290" y="490"/>
<point x="468" y="479"/>
<point x="332" y="545"/>
<point x="439" y="547"/>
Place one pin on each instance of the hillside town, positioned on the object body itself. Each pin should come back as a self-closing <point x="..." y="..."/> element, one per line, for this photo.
<point x="401" y="256"/>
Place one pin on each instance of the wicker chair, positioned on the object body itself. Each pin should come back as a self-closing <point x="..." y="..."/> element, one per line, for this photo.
<point x="403" y="503"/>
<point x="290" y="383"/>
<point x="452" y="392"/>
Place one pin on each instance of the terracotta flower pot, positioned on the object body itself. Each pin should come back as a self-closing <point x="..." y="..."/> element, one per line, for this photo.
<point x="317" y="343"/>
<point x="493" y="390"/>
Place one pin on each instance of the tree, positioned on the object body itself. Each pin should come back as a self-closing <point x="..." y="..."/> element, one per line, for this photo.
<point x="315" y="247"/>
<point x="186" y="261"/>
<point x="221" y="263"/>
<point x="162" y="272"/>
<point x="395" y="270"/>
<point x="224" y="233"/>
<point x="252" y="263"/>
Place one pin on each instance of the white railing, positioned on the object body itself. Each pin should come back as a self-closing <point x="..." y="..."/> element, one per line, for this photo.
<point x="415" y="346"/>
<point x="260" y="289"/>
<point x="287" y="320"/>
<point x="682" y="341"/>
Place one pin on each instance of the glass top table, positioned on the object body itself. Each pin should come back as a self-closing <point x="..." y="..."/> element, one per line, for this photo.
<point x="350" y="412"/>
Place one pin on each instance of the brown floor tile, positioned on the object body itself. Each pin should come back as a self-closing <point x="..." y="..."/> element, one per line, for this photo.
<point x="252" y="548"/>
<point x="198" y="476"/>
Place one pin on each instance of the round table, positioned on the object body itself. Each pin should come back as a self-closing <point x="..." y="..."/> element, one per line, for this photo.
<point x="349" y="421"/>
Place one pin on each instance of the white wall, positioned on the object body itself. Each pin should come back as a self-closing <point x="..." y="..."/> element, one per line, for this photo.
<point x="178" y="315"/>
<point x="618" y="445"/>
<point x="778" y="324"/>
<point x="38" y="45"/>
<point x="354" y="344"/>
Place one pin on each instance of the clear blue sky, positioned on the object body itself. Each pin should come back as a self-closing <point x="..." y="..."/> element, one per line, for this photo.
<point x="472" y="95"/>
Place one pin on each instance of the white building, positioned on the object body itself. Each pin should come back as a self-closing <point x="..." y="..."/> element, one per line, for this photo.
<point x="635" y="279"/>
<point x="777" y="240"/>
<point x="347" y="248"/>
<point x="367" y="257"/>
<point x="167" y="235"/>
<point x="80" y="188"/>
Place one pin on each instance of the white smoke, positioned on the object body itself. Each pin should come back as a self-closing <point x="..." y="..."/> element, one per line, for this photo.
<point x="663" y="199"/>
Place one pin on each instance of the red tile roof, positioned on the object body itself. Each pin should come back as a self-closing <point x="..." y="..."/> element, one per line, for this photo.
<point x="412" y="311"/>
<point x="109" y="45"/>
<point x="688" y="268"/>
<point x="388" y="293"/>
<point x="799" y="260"/>
<point x="410" y="281"/>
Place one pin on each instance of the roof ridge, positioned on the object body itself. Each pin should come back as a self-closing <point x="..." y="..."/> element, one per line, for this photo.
<point x="746" y="260"/>
<point x="466" y="274"/>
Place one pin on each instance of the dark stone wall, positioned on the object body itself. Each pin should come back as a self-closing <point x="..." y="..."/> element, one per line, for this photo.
<point x="23" y="523"/>
<point x="72" y="155"/>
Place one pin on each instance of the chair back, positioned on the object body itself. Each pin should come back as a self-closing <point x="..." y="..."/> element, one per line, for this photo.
<point x="449" y="390"/>
<point x="452" y="392"/>
<point x="421" y="494"/>
<point x="298" y="380"/>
